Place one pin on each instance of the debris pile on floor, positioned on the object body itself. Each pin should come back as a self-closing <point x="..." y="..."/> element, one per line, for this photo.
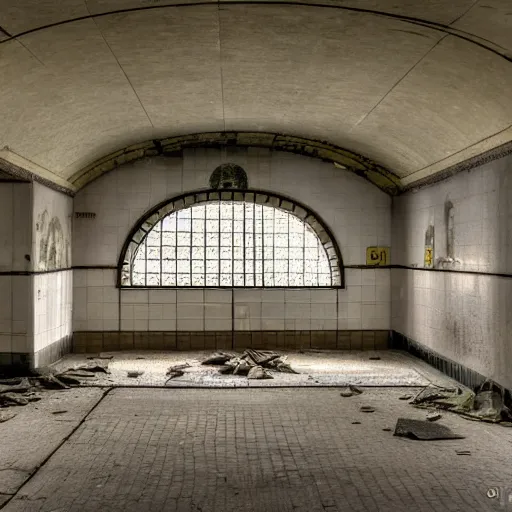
<point x="487" y="404"/>
<point x="349" y="391"/>
<point x="18" y="391"/>
<point x="255" y="364"/>
<point x="423" y="430"/>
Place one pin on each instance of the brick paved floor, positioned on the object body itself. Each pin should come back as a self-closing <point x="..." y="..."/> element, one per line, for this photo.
<point x="265" y="450"/>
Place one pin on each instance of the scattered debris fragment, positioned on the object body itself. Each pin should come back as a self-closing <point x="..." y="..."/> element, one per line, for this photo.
<point x="258" y="372"/>
<point x="423" y="430"/>
<point x="59" y="412"/>
<point x="141" y="357"/>
<point x="433" y="416"/>
<point x="387" y="429"/>
<point x="350" y="391"/>
<point x="462" y="452"/>
<point x="374" y="358"/>
<point x="133" y="374"/>
<point x="218" y="358"/>
<point x="176" y="371"/>
<point x="487" y="404"/>
<point x="366" y="408"/>
<point x="356" y="423"/>
<point x="405" y="397"/>
<point x="6" y="416"/>
<point x="94" y="368"/>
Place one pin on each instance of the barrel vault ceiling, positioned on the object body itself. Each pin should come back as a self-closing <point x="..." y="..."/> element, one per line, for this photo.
<point x="414" y="86"/>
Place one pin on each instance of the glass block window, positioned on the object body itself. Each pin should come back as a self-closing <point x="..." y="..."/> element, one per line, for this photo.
<point x="231" y="243"/>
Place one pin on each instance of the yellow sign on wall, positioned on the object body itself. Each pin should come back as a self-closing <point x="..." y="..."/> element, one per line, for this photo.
<point x="377" y="256"/>
<point x="429" y="256"/>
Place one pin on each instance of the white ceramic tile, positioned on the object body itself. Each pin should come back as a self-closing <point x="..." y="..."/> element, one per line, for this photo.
<point x="94" y="311"/>
<point x="217" y="324"/>
<point x="272" y="310"/>
<point x="110" y="294"/>
<point x="185" y="310"/>
<point x="162" y="296"/>
<point x="5" y="343"/>
<point x="353" y="276"/>
<point x="134" y="296"/>
<point x="299" y="296"/>
<point x="140" y="311"/>
<point x="323" y="311"/>
<point x="323" y="296"/>
<point x="295" y="310"/>
<point x="95" y="324"/>
<point x="249" y="295"/>
<point x="247" y="324"/>
<point x="274" y="296"/>
<point x="368" y="276"/>
<point x="162" y="325"/>
<point x="140" y="325"/>
<point x="368" y="293"/>
<point x="94" y="277"/>
<point x="324" y="324"/>
<point x="272" y="324"/>
<point x="190" y="296"/>
<point x="127" y="311"/>
<point x="110" y="311"/>
<point x="382" y="293"/>
<point x="156" y="311"/>
<point x="111" y="325"/>
<point x="218" y="310"/>
<point x="354" y="310"/>
<point x="190" y="324"/>
<point x="95" y="294"/>
<point x="218" y="296"/>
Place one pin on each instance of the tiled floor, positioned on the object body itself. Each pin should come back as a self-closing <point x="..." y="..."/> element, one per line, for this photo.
<point x="199" y="450"/>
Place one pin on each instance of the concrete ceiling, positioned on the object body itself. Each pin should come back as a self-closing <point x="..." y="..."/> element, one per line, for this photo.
<point x="414" y="86"/>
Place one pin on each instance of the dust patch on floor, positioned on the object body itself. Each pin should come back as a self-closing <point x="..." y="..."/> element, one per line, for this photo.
<point x="316" y="368"/>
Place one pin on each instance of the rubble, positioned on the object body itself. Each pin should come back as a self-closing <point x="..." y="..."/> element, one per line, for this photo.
<point x="366" y="408"/>
<point x="247" y="363"/>
<point x="486" y="404"/>
<point x="133" y="374"/>
<point x="433" y="416"/>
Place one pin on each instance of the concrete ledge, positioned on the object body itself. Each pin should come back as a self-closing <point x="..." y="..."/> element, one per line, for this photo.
<point x="104" y="341"/>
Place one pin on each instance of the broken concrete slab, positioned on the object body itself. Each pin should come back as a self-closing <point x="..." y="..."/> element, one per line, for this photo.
<point x="423" y="430"/>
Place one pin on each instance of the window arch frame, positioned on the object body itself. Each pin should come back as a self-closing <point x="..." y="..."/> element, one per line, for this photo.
<point x="147" y="222"/>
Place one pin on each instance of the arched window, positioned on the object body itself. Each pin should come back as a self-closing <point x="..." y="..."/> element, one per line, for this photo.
<point x="230" y="239"/>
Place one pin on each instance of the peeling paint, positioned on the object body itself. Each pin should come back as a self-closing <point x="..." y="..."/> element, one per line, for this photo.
<point x="54" y="246"/>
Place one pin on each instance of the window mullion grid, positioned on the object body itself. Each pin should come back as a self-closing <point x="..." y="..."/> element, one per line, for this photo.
<point x="274" y="246"/>
<point x="161" y="222"/>
<point x="262" y="248"/>
<point x="233" y="243"/>
<point x="288" y="254"/>
<point x="254" y="243"/>
<point x="219" y="258"/>
<point x="145" y="261"/>
<point x="176" y="246"/>
<point x="191" y="250"/>
<point x="205" y="241"/>
<point x="243" y="248"/>
<point x="303" y="254"/>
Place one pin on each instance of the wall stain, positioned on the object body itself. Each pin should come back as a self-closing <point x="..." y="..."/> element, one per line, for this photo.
<point x="53" y="244"/>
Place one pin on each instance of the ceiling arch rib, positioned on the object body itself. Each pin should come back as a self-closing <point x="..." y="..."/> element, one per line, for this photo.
<point x="407" y="96"/>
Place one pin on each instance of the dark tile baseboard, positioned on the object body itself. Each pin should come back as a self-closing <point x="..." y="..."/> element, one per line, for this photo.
<point x="457" y="371"/>
<point x="13" y="364"/>
<point x="103" y="341"/>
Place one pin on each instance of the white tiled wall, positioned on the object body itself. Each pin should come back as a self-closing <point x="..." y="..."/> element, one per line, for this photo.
<point x="52" y="307"/>
<point x="482" y="211"/>
<point x="464" y="317"/>
<point x="358" y="213"/>
<point x="15" y="314"/>
<point x="15" y="226"/>
<point x="364" y="304"/>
